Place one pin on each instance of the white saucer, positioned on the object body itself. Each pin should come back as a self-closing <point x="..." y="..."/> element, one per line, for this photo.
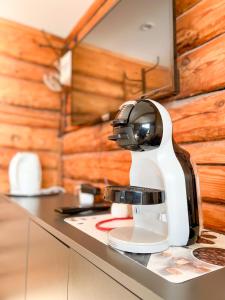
<point x="137" y="240"/>
<point x="43" y="192"/>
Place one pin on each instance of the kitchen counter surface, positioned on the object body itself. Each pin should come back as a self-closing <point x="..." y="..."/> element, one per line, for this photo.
<point x="134" y="276"/>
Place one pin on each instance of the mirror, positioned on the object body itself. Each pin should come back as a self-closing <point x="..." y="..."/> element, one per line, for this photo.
<point x="128" y="54"/>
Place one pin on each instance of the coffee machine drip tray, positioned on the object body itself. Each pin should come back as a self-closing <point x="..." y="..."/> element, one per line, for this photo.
<point x="137" y="240"/>
<point x="134" y="195"/>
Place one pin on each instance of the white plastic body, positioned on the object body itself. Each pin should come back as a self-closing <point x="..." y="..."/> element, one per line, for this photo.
<point x="119" y="210"/>
<point x="25" y="174"/>
<point x="86" y="199"/>
<point x="159" y="169"/>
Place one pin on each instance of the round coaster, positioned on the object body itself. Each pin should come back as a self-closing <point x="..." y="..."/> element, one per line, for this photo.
<point x="210" y="255"/>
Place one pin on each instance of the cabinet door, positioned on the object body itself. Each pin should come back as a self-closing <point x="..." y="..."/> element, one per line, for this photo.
<point x="13" y="250"/>
<point x="87" y="282"/>
<point x="47" y="272"/>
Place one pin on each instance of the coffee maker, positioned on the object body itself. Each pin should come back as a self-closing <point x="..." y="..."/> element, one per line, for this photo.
<point x="163" y="187"/>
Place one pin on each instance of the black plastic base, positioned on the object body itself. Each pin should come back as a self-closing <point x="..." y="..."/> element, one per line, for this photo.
<point x="134" y="195"/>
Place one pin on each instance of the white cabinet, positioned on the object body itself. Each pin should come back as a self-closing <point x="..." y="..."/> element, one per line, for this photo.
<point x="47" y="271"/>
<point x="35" y="265"/>
<point x="13" y="250"/>
<point x="87" y="282"/>
<point x="56" y="272"/>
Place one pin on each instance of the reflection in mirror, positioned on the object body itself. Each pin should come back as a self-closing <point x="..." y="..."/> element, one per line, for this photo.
<point x="128" y="54"/>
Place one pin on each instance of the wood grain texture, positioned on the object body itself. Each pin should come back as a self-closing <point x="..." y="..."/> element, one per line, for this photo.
<point x="196" y="119"/>
<point x="29" y="113"/>
<point x="107" y="65"/>
<point x="97" y="166"/>
<point x="200" y="118"/>
<point x="202" y="70"/>
<point x="115" y="167"/>
<point x="17" y="115"/>
<point x="76" y="141"/>
<point x="94" y="14"/>
<point x="213" y="216"/>
<point x="183" y="5"/>
<point x="207" y="153"/>
<point x="200" y="24"/>
<point x="25" y="93"/>
<point x="197" y="111"/>
<point x="98" y="86"/>
<point x="212" y="180"/>
<point x="26" y="43"/>
<point x="101" y="103"/>
<point x="50" y="177"/>
<point x="83" y="21"/>
<point x="212" y="152"/>
<point x="27" y="138"/>
<point x="50" y="160"/>
<point x="100" y="81"/>
<point x="20" y="69"/>
<point x="4" y="182"/>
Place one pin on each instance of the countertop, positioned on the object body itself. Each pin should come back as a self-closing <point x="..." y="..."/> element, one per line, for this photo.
<point x="134" y="276"/>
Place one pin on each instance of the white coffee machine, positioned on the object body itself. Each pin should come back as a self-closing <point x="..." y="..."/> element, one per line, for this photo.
<point x="162" y="191"/>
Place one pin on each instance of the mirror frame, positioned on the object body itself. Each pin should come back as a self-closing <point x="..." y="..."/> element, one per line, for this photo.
<point x="97" y="11"/>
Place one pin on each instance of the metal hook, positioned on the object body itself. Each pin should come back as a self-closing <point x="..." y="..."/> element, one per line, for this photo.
<point x="144" y="71"/>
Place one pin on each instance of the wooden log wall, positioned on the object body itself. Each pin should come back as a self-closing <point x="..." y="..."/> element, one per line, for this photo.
<point x="198" y="114"/>
<point x="29" y="113"/>
<point x="102" y="77"/>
